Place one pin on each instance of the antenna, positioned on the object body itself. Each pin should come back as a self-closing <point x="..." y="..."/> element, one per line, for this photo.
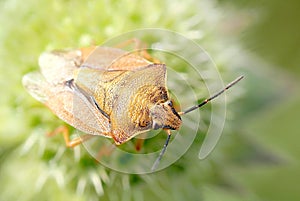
<point x="212" y="97"/>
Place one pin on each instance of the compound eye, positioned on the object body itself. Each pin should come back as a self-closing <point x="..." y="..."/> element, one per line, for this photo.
<point x="170" y="103"/>
<point x="156" y="126"/>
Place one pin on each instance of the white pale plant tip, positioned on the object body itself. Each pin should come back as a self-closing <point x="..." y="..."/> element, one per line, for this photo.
<point x="96" y="180"/>
<point x="81" y="185"/>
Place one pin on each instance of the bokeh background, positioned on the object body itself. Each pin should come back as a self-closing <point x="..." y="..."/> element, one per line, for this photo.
<point x="257" y="157"/>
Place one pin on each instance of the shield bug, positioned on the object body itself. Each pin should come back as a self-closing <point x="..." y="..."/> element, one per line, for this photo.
<point x="116" y="94"/>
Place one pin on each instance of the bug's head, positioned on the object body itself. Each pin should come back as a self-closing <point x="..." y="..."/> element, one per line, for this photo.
<point x="165" y="116"/>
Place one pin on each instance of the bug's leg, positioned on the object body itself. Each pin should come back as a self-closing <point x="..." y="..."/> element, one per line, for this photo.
<point x="139" y="144"/>
<point x="137" y="44"/>
<point x="105" y="151"/>
<point x="144" y="53"/>
<point x="140" y="47"/>
<point x="140" y="141"/>
<point x="69" y="143"/>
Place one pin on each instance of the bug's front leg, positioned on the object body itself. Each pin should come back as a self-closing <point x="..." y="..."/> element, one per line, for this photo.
<point x="140" y="141"/>
<point x="140" y="47"/>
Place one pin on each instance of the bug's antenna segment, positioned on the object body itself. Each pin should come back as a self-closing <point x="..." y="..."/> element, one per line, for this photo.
<point x="213" y="97"/>
<point x="157" y="161"/>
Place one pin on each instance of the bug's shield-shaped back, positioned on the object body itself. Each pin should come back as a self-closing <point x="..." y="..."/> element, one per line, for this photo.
<point x="114" y="91"/>
<point x="114" y="78"/>
<point x="136" y="82"/>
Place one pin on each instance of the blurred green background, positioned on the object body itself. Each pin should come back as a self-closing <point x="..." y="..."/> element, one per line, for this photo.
<point x="257" y="157"/>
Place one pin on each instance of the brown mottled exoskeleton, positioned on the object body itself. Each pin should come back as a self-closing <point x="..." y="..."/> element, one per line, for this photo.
<point x="108" y="92"/>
